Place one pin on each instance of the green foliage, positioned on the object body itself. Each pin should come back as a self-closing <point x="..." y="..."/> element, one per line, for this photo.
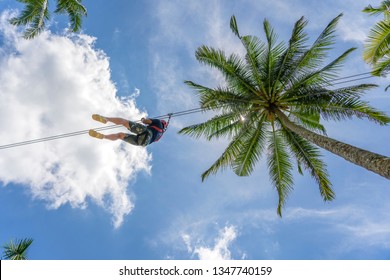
<point x="75" y="11"/>
<point x="279" y="166"/>
<point x="377" y="51"/>
<point x="16" y="250"/>
<point x="276" y="78"/>
<point x="36" y="14"/>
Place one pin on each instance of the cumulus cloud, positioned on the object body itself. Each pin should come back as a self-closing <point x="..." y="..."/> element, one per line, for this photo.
<point x="49" y="86"/>
<point x="219" y="251"/>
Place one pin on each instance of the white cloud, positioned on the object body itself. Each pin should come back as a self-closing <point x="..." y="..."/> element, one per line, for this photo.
<point x="219" y="251"/>
<point x="49" y="86"/>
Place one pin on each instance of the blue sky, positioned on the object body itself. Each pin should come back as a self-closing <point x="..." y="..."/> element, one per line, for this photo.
<point x="80" y="198"/>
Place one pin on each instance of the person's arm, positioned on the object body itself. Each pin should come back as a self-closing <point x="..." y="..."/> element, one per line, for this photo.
<point x="146" y="121"/>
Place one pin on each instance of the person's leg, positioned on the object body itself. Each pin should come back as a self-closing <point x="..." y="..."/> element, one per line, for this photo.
<point x="119" y="121"/>
<point x="111" y="137"/>
<point x="129" y="138"/>
<point x="134" y="127"/>
<point x="116" y="136"/>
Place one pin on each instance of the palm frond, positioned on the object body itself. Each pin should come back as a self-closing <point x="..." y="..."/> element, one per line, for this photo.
<point x="329" y="71"/>
<point x="33" y="16"/>
<point x="232" y="68"/>
<point x="309" y="118"/>
<point x="317" y="97"/>
<point x="315" y="55"/>
<point x="348" y="107"/>
<point x="309" y="155"/>
<point x="319" y="77"/>
<point x="252" y="146"/>
<point x="75" y="10"/>
<point x="254" y="51"/>
<point x="378" y="43"/>
<point x="295" y="48"/>
<point x="16" y="250"/>
<point x="26" y="16"/>
<point x="381" y="66"/>
<point x="220" y="125"/>
<point x="229" y="156"/>
<point x="279" y="167"/>
<point x="384" y="9"/>
<point x="219" y="97"/>
<point x="268" y="71"/>
<point x="234" y="27"/>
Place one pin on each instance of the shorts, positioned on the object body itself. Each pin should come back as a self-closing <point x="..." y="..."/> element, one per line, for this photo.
<point x="142" y="136"/>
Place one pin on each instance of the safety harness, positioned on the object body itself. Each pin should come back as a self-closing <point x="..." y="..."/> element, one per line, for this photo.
<point x="159" y="130"/>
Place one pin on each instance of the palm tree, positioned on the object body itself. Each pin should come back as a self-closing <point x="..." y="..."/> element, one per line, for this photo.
<point x="36" y="13"/>
<point x="272" y="103"/>
<point x="16" y="250"/>
<point x="377" y="47"/>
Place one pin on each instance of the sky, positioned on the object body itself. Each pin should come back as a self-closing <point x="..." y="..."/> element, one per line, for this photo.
<point x="83" y="198"/>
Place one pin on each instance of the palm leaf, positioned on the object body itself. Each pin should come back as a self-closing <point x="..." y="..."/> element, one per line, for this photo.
<point x="16" y="250"/>
<point x="317" y="97"/>
<point x="219" y="98"/>
<point x="348" y="107"/>
<point x="378" y="42"/>
<point x="279" y="167"/>
<point x="33" y="16"/>
<point x="220" y="125"/>
<point x="252" y="147"/>
<point x="233" y="26"/>
<point x="308" y="155"/>
<point x="382" y="66"/>
<point x="315" y="55"/>
<point x="269" y="61"/>
<point x="254" y="50"/>
<point x="320" y="77"/>
<point x="295" y="48"/>
<point x="384" y="9"/>
<point x="75" y="11"/>
<point x="230" y="154"/>
<point x="232" y="68"/>
<point x="309" y="119"/>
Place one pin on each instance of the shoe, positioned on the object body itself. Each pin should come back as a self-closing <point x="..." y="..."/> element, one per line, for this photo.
<point x="95" y="134"/>
<point x="99" y="118"/>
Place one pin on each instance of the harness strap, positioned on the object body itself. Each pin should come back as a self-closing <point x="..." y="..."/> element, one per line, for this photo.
<point x="161" y="131"/>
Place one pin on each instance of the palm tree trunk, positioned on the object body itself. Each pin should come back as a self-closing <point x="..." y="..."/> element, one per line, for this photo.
<point x="371" y="161"/>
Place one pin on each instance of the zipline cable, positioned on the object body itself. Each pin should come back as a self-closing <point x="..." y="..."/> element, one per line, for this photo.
<point x="352" y="76"/>
<point x="81" y="132"/>
<point x="76" y="133"/>
<point x="49" y="138"/>
<point x="352" y="80"/>
<point x="176" y="114"/>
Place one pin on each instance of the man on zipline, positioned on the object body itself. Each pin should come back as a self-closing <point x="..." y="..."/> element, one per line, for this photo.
<point x="143" y="135"/>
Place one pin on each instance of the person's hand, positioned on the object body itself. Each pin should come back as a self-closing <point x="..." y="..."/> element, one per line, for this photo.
<point x="146" y="121"/>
